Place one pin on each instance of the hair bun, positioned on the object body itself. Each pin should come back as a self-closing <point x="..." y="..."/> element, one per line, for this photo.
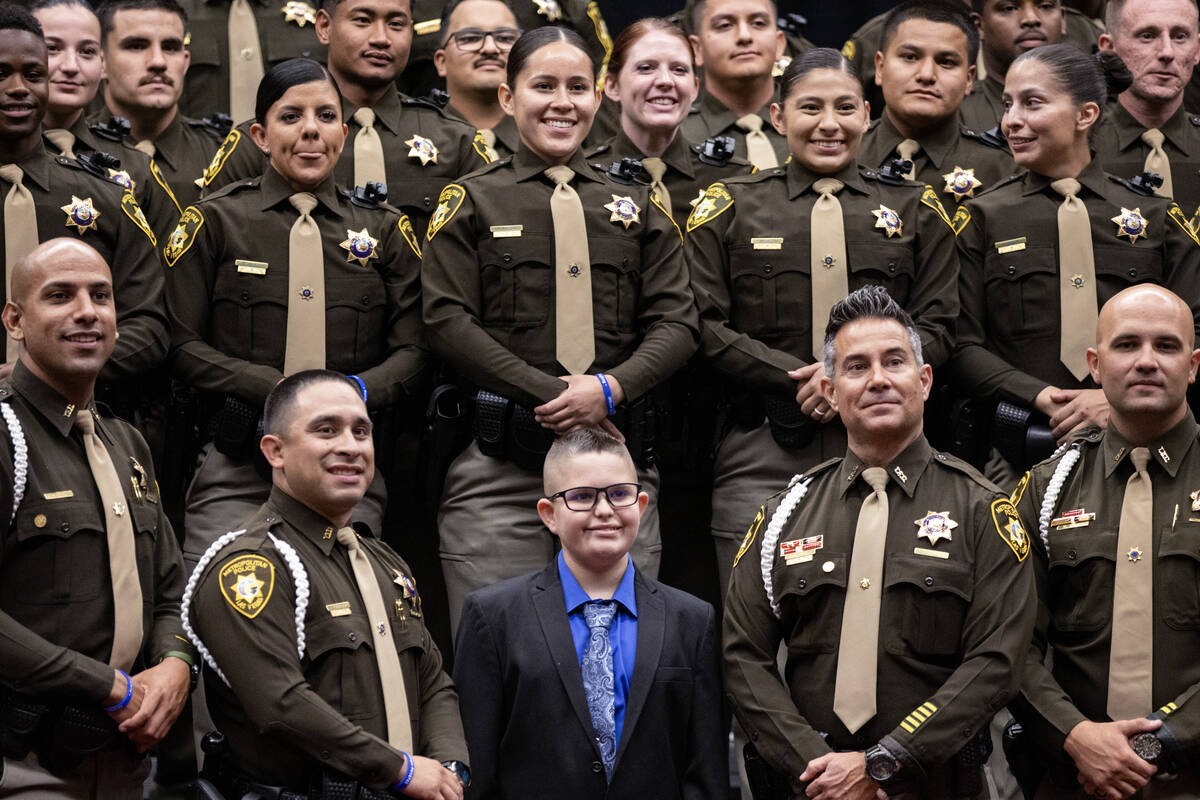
<point x="1117" y="77"/>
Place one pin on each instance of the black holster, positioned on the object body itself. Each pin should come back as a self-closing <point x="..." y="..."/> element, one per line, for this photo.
<point x="1022" y="759"/>
<point x="790" y="427"/>
<point x="446" y="434"/>
<point x="61" y="735"/>
<point x="1021" y="435"/>
<point x="765" y="782"/>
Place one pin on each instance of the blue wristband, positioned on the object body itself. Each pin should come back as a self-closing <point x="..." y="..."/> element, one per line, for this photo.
<point x="362" y="387"/>
<point x="408" y="774"/>
<point x="128" y="693"/>
<point x="608" y="398"/>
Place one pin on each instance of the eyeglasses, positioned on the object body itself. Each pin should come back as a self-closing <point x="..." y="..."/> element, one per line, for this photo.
<point x="470" y="40"/>
<point x="583" y="498"/>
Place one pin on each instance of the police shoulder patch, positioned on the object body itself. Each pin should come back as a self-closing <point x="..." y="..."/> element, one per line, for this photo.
<point x="929" y="198"/>
<point x="751" y="532"/>
<point x="1176" y="213"/>
<point x="715" y="201"/>
<point x="601" y="27"/>
<point x="1008" y="525"/>
<point x="246" y="582"/>
<point x="162" y="181"/>
<point x="406" y="230"/>
<point x="184" y="234"/>
<point x="130" y="206"/>
<point x="960" y="219"/>
<point x="220" y="157"/>
<point x="449" y="202"/>
<point x="1019" y="492"/>
<point x="484" y="149"/>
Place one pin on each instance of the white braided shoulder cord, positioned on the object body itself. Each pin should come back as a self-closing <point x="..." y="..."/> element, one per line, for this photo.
<point x="1054" y="489"/>
<point x="20" y="457"/>
<point x="299" y="578"/>
<point x="797" y="488"/>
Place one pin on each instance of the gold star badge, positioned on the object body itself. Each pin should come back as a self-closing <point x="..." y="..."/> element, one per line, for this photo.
<point x="623" y="210"/>
<point x="118" y="509"/>
<point x="550" y="9"/>
<point x="299" y="12"/>
<point x="935" y="526"/>
<point x="888" y="220"/>
<point x="81" y="214"/>
<point x="121" y="178"/>
<point x="1131" y="224"/>
<point x="307" y="293"/>
<point x="1077" y="281"/>
<point x="961" y="183"/>
<point x="1134" y="554"/>
<point x="422" y="148"/>
<point x="360" y="246"/>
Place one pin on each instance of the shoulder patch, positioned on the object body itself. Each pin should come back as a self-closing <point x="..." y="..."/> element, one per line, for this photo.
<point x="716" y="201"/>
<point x="449" y="202"/>
<point x="484" y="149"/>
<point x="593" y="12"/>
<point x="162" y="181"/>
<point x="130" y="206"/>
<point x="751" y="532"/>
<point x="219" y="158"/>
<point x="1019" y="492"/>
<point x="960" y="219"/>
<point x="929" y="198"/>
<point x="1176" y="213"/>
<point x="406" y="230"/>
<point x="1008" y="525"/>
<point x="848" y="49"/>
<point x="246" y="583"/>
<point x="184" y="234"/>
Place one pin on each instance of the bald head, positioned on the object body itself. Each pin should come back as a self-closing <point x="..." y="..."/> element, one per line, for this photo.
<point x="1143" y="303"/>
<point x="47" y="256"/>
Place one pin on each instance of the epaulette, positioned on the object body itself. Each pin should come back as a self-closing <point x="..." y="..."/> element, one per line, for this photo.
<point x="439" y="98"/>
<point x="98" y="163"/>
<point x="424" y="102"/>
<point x="958" y="465"/>
<point x="755" y="177"/>
<point x="892" y="173"/>
<point x="998" y="184"/>
<point x="114" y="129"/>
<point x="492" y="167"/>
<point x="624" y="171"/>
<point x="1143" y="184"/>
<point x="599" y="149"/>
<point x="372" y="195"/>
<point x="716" y="151"/>
<point x="232" y="188"/>
<point x="992" y="137"/>
<point x="216" y="125"/>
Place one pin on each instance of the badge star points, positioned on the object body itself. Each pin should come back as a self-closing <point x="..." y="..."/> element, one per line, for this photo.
<point x="889" y="220"/>
<point x="422" y="148"/>
<point x="299" y="12"/>
<point x="961" y="182"/>
<point x="623" y="210"/>
<point x="360" y="246"/>
<point x="81" y="214"/>
<point x="307" y="293"/>
<point x="697" y="199"/>
<point x="1077" y="281"/>
<point x="1130" y="224"/>
<point x="935" y="526"/>
<point x="1134" y="554"/>
<point x="118" y="509"/>
<point x="550" y="9"/>
<point x="247" y="586"/>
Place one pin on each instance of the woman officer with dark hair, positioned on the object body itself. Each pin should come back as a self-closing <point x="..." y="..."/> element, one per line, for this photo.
<point x="282" y="273"/>
<point x="558" y="294"/>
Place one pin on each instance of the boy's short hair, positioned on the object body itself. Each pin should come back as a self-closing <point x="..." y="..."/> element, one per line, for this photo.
<point x="578" y="441"/>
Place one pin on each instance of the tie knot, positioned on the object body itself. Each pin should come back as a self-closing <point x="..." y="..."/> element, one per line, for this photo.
<point x="12" y="173"/>
<point x="1140" y="456"/>
<point x="85" y="422"/>
<point x="751" y="123"/>
<point x="303" y="202"/>
<point x="347" y="538"/>
<point x="828" y="185"/>
<point x="599" y="613"/>
<point x="61" y="138"/>
<point x="1067" y="187"/>
<point x="1153" y="137"/>
<point x="876" y="478"/>
<point x="561" y="174"/>
<point x="364" y="116"/>
<point x="146" y="146"/>
<point x="656" y="167"/>
<point x="908" y="149"/>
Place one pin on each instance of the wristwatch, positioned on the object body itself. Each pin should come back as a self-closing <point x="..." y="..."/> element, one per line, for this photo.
<point x="461" y="771"/>
<point x="882" y="766"/>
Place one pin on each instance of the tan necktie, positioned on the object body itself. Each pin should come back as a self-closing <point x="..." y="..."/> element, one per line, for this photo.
<point x="1131" y="654"/>
<point x="305" y="348"/>
<point x="245" y="60"/>
<point x="368" y="150"/>
<point x="858" y="648"/>
<point x="828" y="259"/>
<point x="908" y="150"/>
<point x="146" y="146"/>
<point x="20" y="233"/>
<point x="1157" y="161"/>
<point x="391" y="677"/>
<point x="657" y="168"/>
<point x="758" y="147"/>
<point x="1077" y="279"/>
<point x="63" y="139"/>
<point x="575" y="338"/>
<point x="489" y="136"/>
<point x="122" y="555"/>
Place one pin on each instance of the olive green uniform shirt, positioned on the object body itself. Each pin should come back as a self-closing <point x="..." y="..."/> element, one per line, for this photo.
<point x="285" y="30"/>
<point x="414" y="178"/>
<point x="949" y="157"/>
<point x="227" y="288"/>
<point x="1008" y="334"/>
<point x="1117" y="143"/>
<point x="488" y="282"/>
<point x="56" y="602"/>
<point x="287" y="716"/>
<point x="123" y="238"/>
<point x="953" y="629"/>
<point x="1074" y="563"/>
<point x="182" y="152"/>
<point x="709" y="117"/>
<point x="508" y="138"/>
<point x="982" y="109"/>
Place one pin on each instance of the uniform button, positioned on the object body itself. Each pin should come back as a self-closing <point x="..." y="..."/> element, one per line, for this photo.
<point x="941" y="456"/>
<point x="365" y="299"/>
<point x="803" y="583"/>
<point x="1012" y="270"/>
<point x="352" y="636"/>
<point x="767" y="268"/>
<point x="891" y="266"/>
<point x="1133" y="273"/>
<point x="306" y="53"/>
<point x="597" y="766"/>
<point x="324" y="755"/>
<point x="245" y="295"/>
<point x="1071" y="555"/>
<point x="625" y="261"/>
<point x="428" y="201"/>
<point x="506" y="258"/>
<point x="64" y="527"/>
<point x="929" y="580"/>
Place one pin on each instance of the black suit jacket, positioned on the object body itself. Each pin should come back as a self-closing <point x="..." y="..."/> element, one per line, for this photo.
<point x="527" y="723"/>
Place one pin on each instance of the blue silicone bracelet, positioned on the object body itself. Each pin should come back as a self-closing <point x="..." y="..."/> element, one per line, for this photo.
<point x="408" y="774"/>
<point x="362" y="387"/>
<point x="608" y="398"/>
<point x="128" y="693"/>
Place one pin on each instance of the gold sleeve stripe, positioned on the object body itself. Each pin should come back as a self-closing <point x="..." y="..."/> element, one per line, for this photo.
<point x="1169" y="708"/>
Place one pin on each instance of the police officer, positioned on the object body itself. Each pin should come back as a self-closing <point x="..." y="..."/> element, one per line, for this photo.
<point x="1116" y="516"/>
<point x="281" y="273"/>
<point x="409" y="145"/>
<point x="47" y="197"/>
<point x="551" y="320"/>
<point x="145" y="63"/>
<point x="1148" y="129"/>
<point x="767" y="264"/>
<point x="1042" y="251"/>
<point x="281" y="610"/>
<point x="95" y="667"/>
<point x="924" y="67"/>
<point x="894" y="576"/>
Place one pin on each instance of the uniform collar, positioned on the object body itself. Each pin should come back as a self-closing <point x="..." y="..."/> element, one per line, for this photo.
<point x="47" y="402"/>
<point x="275" y="190"/>
<point x="1129" y="130"/>
<point x="800" y="179"/>
<point x="505" y="130"/>
<point x="675" y="157"/>
<point x="1091" y="178"/>
<point x="387" y="110"/>
<point x="719" y="116"/>
<point x="316" y="528"/>
<point x="36" y="165"/>
<point x="169" y="146"/>
<point x="936" y="145"/>
<point x="1168" y="450"/>
<point x="904" y="470"/>
<point x="527" y="165"/>
<point x="575" y="597"/>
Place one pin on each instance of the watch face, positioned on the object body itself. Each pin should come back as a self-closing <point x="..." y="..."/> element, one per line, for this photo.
<point x="880" y="766"/>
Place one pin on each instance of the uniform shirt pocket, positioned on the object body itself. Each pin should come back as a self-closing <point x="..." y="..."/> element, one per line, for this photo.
<point x="770" y="290"/>
<point x="616" y="282"/>
<point x="1178" y="566"/>
<point x="925" y="604"/>
<point x="1021" y="292"/>
<point x="356" y="320"/>
<point x="811" y="595"/>
<point x="62" y="547"/>
<point x="1122" y="265"/>
<point x="884" y="264"/>
<point x="516" y="280"/>
<point x="249" y="313"/>
<point x="1082" y="567"/>
<point x="281" y="42"/>
<point x="338" y="668"/>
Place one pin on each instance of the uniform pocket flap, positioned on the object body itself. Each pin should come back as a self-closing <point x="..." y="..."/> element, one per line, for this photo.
<point x="930" y="575"/>
<point x="1072" y="548"/>
<point x="1020" y="264"/>
<point x="58" y="518"/>
<point x="325" y="633"/>
<point x="825" y="569"/>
